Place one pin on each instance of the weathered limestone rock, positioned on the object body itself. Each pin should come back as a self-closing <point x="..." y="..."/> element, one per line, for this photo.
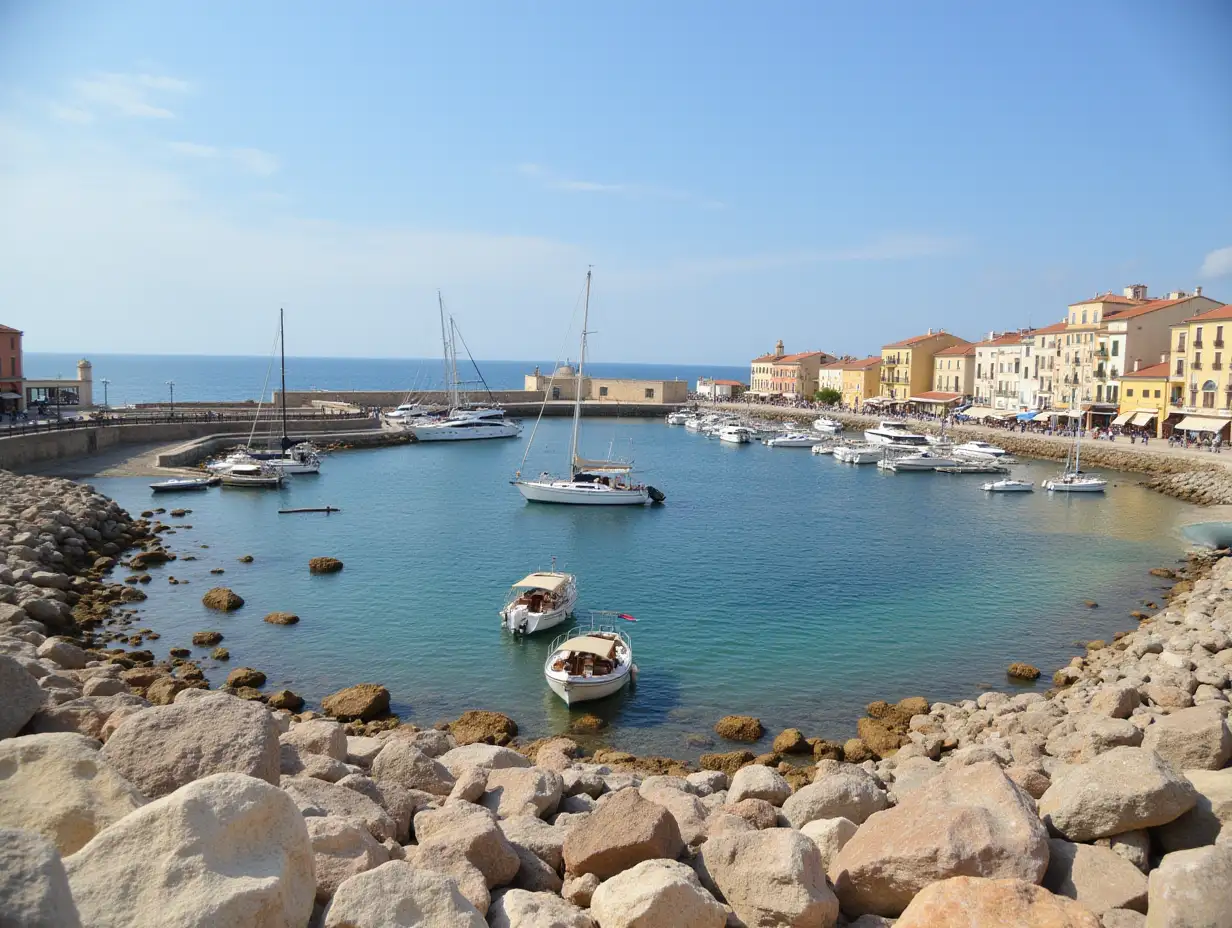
<point x="579" y="889"/>
<point x="324" y="565"/>
<point x="486" y="756"/>
<point x="728" y="762"/>
<point x="687" y="810"/>
<point x="707" y="782"/>
<point x="398" y="803"/>
<point x="297" y="763"/>
<point x="1115" y="700"/>
<point x="282" y="618"/>
<point x="362" y="702"/>
<point x="791" y="741"/>
<point x="398" y="895"/>
<point x="1210" y="817"/>
<point x="206" y="639"/>
<point x="1191" y="739"/>
<point x="222" y="599"/>
<point x="285" y="699"/>
<point x="533" y="874"/>
<point x="1122" y="918"/>
<point x="162" y="748"/>
<point x="846" y="792"/>
<point x="1134" y="846"/>
<point x="245" y="676"/>
<point x="318" y="736"/>
<point x="536" y="836"/>
<point x="1023" y="671"/>
<point x="1192" y="889"/>
<point x="228" y="849"/>
<point x="517" y="908"/>
<point x="972" y="902"/>
<point x="772" y="877"/>
<point x="64" y="653"/>
<point x="968" y="821"/>
<point x="470" y="832"/>
<point x="470" y="785"/>
<point x="1097" y="877"/>
<point x="362" y="750"/>
<point x="479" y="726"/>
<point x="317" y="798"/>
<point x="34" y="889"/>
<point x="514" y="791"/>
<point x="758" y="782"/>
<point x="1122" y="790"/>
<point x="22" y="696"/>
<point x="756" y="812"/>
<point x="830" y="835"/>
<point x="656" y="894"/>
<point x="621" y="833"/>
<point x="402" y="763"/>
<point x="341" y="848"/>
<point x="59" y="786"/>
<point x="739" y="728"/>
<point x="1085" y="736"/>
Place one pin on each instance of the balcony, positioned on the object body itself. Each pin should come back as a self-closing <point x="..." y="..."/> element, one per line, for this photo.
<point x="1197" y="343"/>
<point x="1219" y="343"/>
<point x="1217" y="366"/>
<point x="1197" y="366"/>
<point x="1101" y="352"/>
<point x="1101" y="374"/>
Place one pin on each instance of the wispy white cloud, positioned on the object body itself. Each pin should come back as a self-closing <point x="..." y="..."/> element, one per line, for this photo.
<point x="251" y="160"/>
<point x="1217" y="263"/>
<point x="553" y="181"/>
<point x="63" y="112"/>
<point x="133" y="95"/>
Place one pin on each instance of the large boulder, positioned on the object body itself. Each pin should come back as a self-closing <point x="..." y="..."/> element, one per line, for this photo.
<point x="688" y="811"/>
<point x="1210" y="816"/>
<point x="1098" y="877"/>
<point x="830" y="835"/>
<point x="517" y="908"/>
<point x="402" y="763"/>
<point x="1122" y="790"/>
<point x="620" y="834"/>
<point x="758" y="782"/>
<point x="162" y="748"/>
<point x="847" y="792"/>
<point x="60" y="786"/>
<point x="772" y="877"/>
<point x="656" y="894"/>
<point x="972" y="902"/>
<point x="362" y="702"/>
<point x="485" y="756"/>
<point x="739" y="728"/>
<point x="1192" y="889"/>
<point x="478" y="726"/>
<point x="398" y="895"/>
<point x="969" y="821"/>
<point x="514" y="791"/>
<point x="537" y="836"/>
<point x="470" y="832"/>
<point x="318" y="736"/>
<point x="64" y="653"/>
<point x="22" y="696"/>
<point x="317" y="798"/>
<point x="228" y="849"/>
<point x="34" y="889"/>
<point x="1192" y="739"/>
<point x="341" y="848"/>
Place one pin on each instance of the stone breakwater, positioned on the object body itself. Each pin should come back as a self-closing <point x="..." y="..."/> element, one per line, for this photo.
<point x="1107" y="801"/>
<point x="1207" y="482"/>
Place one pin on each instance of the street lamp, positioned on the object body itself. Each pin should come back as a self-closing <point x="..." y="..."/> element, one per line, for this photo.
<point x="171" y="387"/>
<point x="106" y="383"/>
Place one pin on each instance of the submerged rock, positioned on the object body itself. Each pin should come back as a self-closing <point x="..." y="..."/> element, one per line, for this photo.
<point x="222" y="599"/>
<point x="479" y="726"/>
<point x="324" y="565"/>
<point x="739" y="728"/>
<point x="282" y="618"/>
<point x="1022" y="671"/>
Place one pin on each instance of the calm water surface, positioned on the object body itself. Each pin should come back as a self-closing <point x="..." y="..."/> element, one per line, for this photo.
<point x="773" y="582"/>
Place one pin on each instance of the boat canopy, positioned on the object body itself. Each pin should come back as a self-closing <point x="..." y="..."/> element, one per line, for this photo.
<point x="589" y="644"/>
<point x="542" y="581"/>
<point x="581" y="465"/>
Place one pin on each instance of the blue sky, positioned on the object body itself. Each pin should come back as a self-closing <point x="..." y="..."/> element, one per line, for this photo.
<point x="837" y="175"/>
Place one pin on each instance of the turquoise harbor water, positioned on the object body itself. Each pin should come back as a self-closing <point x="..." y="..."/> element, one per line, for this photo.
<point x="773" y="582"/>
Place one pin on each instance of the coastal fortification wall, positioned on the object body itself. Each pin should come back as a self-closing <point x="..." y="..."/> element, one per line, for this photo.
<point x="390" y="399"/>
<point x="18" y="451"/>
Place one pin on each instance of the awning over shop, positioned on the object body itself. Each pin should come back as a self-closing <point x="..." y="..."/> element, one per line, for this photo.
<point x="1122" y="418"/>
<point x="1025" y="416"/>
<point x="1200" y="424"/>
<point x="980" y="412"/>
<point x="1144" y="416"/>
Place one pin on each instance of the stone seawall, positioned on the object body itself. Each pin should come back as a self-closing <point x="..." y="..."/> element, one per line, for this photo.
<point x="1207" y="482"/>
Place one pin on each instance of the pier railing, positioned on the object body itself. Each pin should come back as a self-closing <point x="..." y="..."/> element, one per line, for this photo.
<point x="9" y="428"/>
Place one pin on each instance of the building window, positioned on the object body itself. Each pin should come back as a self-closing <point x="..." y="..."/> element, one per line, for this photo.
<point x="1084" y="317"/>
<point x="1208" y="394"/>
<point x="556" y="392"/>
<point x="1116" y="347"/>
<point x="1156" y="394"/>
<point x="603" y="391"/>
<point x="1197" y="336"/>
<point x="1129" y="391"/>
<point x="1180" y="341"/>
<point x="650" y="393"/>
<point x="1218" y="336"/>
<point x="1180" y="367"/>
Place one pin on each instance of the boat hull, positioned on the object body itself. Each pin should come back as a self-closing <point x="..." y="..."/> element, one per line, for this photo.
<point x="576" y="690"/>
<point x="253" y="483"/>
<point x="1008" y="487"/>
<point x="174" y="486"/>
<point x="447" y="433"/>
<point x="295" y="467"/>
<point x="520" y="620"/>
<point x="1056" y="486"/>
<point x="581" y="494"/>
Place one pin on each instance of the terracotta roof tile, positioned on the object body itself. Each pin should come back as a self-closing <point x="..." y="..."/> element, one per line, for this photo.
<point x="799" y="356"/>
<point x="956" y="351"/>
<point x="863" y="365"/>
<point x="7" y="328"/>
<point x="1050" y="329"/>
<point x="915" y="340"/>
<point x="1155" y="371"/>
<point x="1108" y="297"/>
<point x="1223" y="312"/>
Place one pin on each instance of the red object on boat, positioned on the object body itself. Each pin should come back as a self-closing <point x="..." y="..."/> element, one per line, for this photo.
<point x="626" y="617"/>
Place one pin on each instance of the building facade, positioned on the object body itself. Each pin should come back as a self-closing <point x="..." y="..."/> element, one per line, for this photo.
<point x="562" y="385"/>
<point x="999" y="366"/>
<point x="719" y="389"/>
<point x="861" y="381"/>
<point x="48" y="394"/>
<point x="830" y="375"/>
<point x="954" y="370"/>
<point x="907" y="365"/>
<point x="1144" y="399"/>
<point x="11" y="393"/>
<point x="1041" y="353"/>
<point x="1199" y="379"/>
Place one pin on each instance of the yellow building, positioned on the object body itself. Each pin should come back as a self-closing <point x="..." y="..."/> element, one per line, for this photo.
<point x="1199" y="379"/>
<point x="954" y="370"/>
<point x="861" y="381"/>
<point x="562" y="385"/>
<point x="1144" y="399"/>
<point x="794" y="376"/>
<point x="907" y="365"/>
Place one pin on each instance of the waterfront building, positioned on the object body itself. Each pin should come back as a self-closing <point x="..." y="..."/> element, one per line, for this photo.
<point x="562" y="384"/>
<point x="793" y="376"/>
<point x="999" y="364"/>
<point x="720" y="389"/>
<point x="48" y="393"/>
<point x="11" y="397"/>
<point x="907" y="365"/>
<point x="1041" y="353"/>
<point x="830" y="375"/>
<point x="954" y="370"/>
<point x="861" y="381"/>
<point x="1144" y="398"/>
<point x="1199" y="379"/>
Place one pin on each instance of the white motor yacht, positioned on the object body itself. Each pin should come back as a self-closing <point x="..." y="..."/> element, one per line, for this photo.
<point x="539" y="601"/>
<point x="828" y="426"/>
<point x="735" y="435"/>
<point x="979" y="449"/>
<point x="255" y="475"/>
<point x="679" y="417"/>
<point x="858" y="454"/>
<point x="909" y="460"/>
<point x="825" y="447"/>
<point x="409" y="411"/>
<point x="589" y="664"/>
<point x="235" y="458"/>
<point x="296" y="460"/>
<point x="467" y="425"/>
<point x="793" y="440"/>
<point x="893" y="432"/>
<point x="1009" y="486"/>
<point x="184" y="483"/>
<point x="695" y="423"/>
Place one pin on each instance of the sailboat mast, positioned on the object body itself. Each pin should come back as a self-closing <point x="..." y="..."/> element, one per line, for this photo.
<point x="453" y="360"/>
<point x="445" y="380"/>
<point x="577" y="399"/>
<point x="282" y="351"/>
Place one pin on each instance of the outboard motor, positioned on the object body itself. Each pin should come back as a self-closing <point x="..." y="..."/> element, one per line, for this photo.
<point x="656" y="496"/>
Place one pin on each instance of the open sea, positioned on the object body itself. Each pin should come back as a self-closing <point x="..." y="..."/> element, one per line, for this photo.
<point x="773" y="582"/>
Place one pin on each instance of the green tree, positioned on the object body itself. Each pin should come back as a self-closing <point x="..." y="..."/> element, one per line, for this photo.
<point x="828" y="396"/>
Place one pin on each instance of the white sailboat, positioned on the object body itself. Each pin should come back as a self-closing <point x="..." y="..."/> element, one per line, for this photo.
<point x="1072" y="479"/>
<point x="587" y="482"/>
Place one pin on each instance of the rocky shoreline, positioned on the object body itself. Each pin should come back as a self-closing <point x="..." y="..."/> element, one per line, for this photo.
<point x="133" y="795"/>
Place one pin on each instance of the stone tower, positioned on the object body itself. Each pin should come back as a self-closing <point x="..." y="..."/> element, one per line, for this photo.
<point x="85" y="380"/>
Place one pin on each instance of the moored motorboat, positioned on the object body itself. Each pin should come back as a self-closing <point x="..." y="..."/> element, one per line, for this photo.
<point x="466" y="425"/>
<point x="184" y="483"/>
<point x="893" y="432"/>
<point x="679" y="417"/>
<point x="979" y="449"/>
<point x="735" y="435"/>
<point x="828" y="426"/>
<point x="858" y="454"/>
<point x="913" y="461"/>
<point x="793" y="440"/>
<point x="255" y="475"/>
<point x="539" y="601"/>
<point x="825" y="447"/>
<point x="589" y="664"/>
<point x="1009" y="486"/>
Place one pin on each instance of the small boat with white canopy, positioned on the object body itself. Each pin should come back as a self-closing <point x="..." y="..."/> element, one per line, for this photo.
<point x="539" y="601"/>
<point x="590" y="663"/>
